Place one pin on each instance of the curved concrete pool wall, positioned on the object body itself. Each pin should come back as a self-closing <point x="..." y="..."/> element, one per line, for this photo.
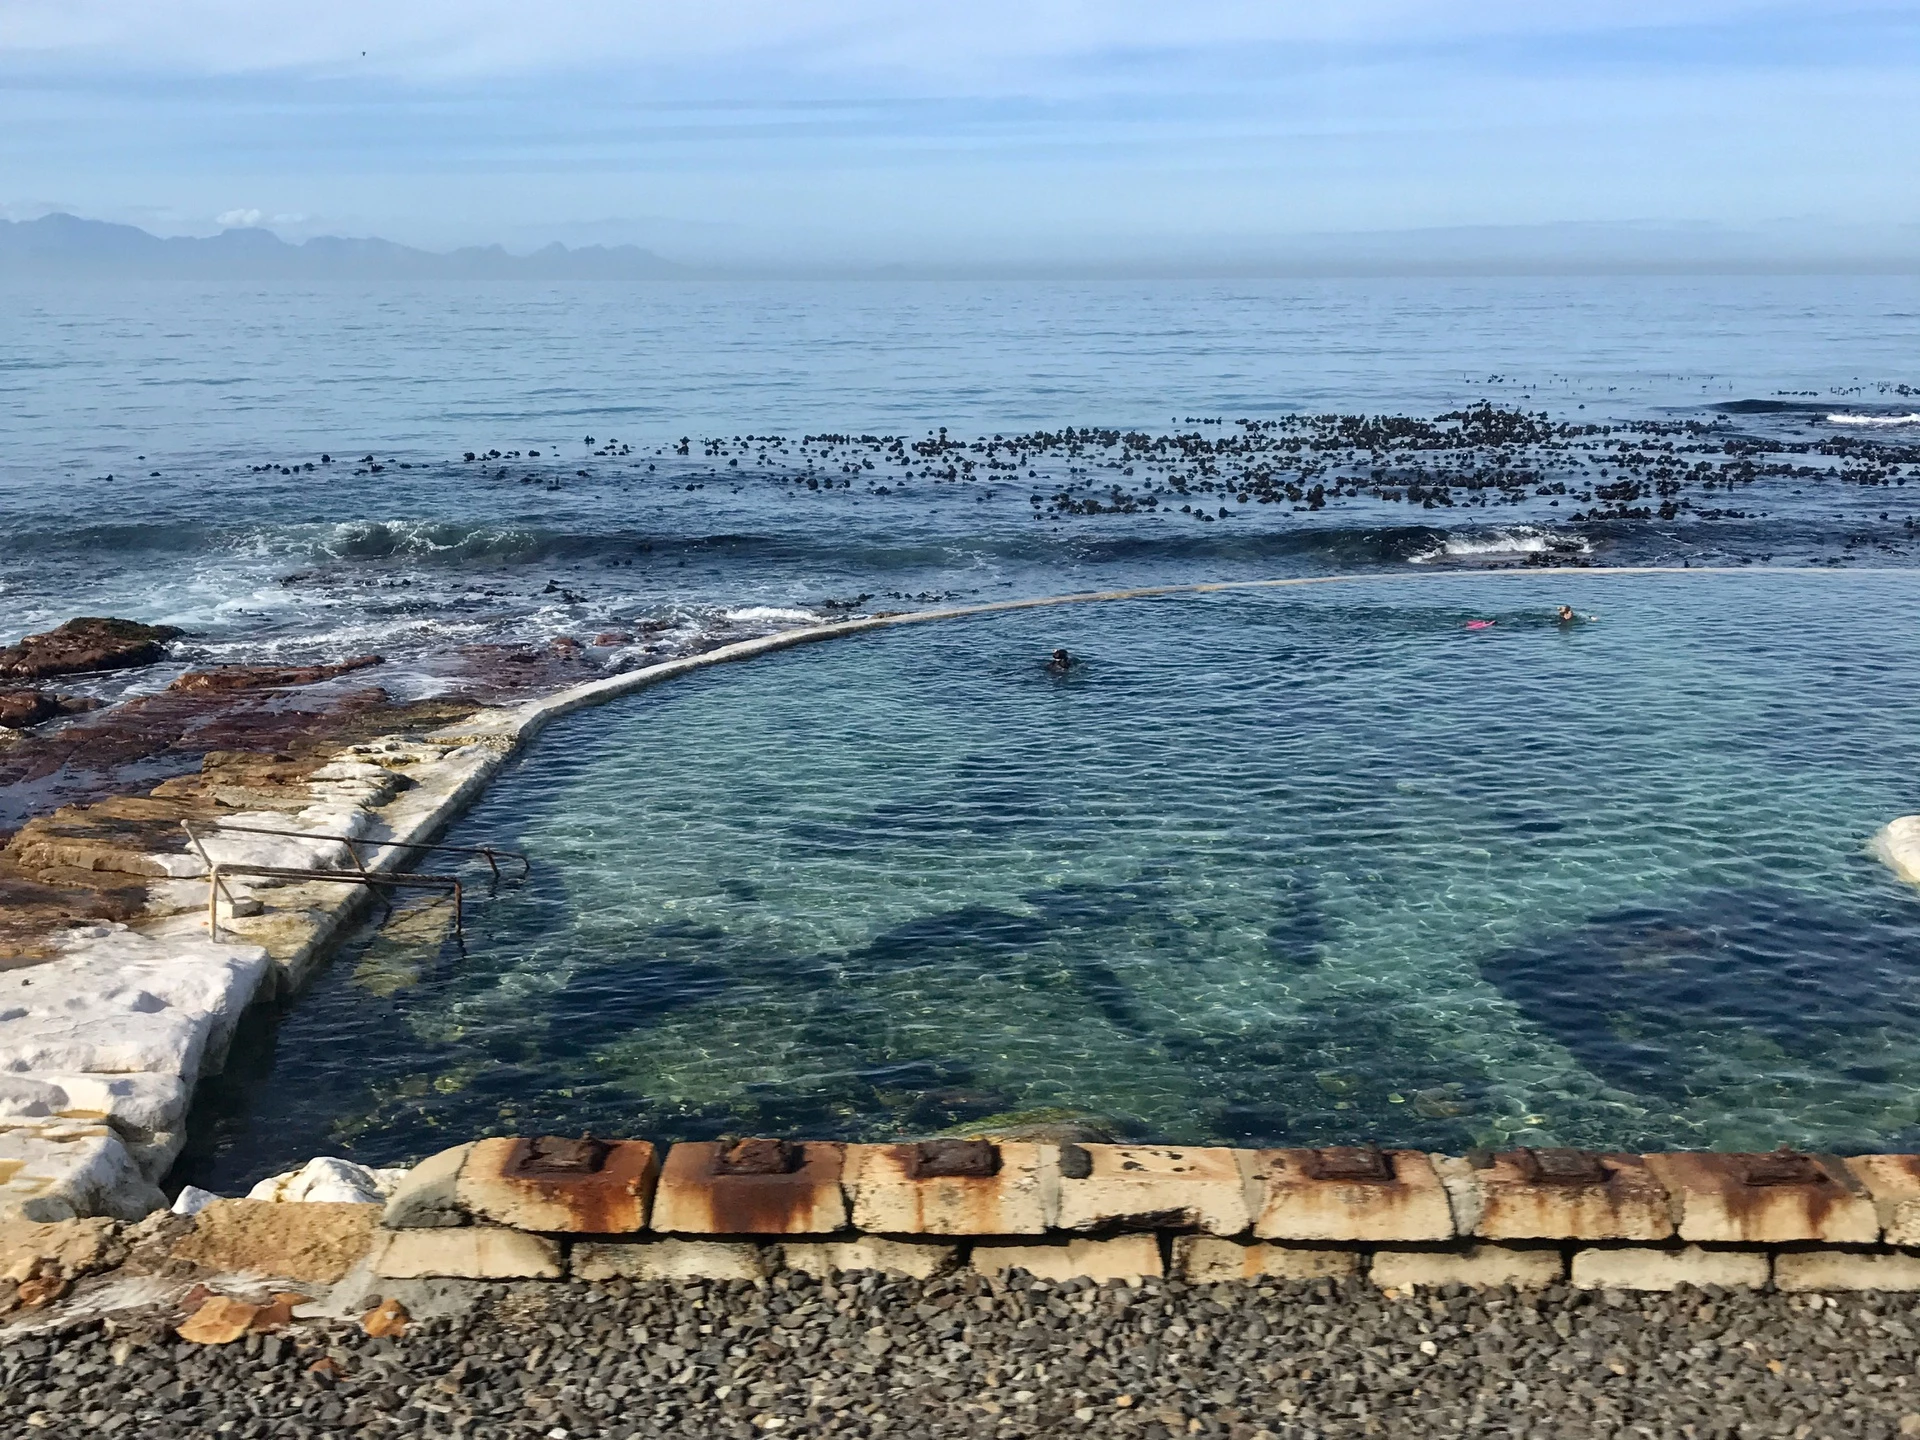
<point x="100" y="1048"/>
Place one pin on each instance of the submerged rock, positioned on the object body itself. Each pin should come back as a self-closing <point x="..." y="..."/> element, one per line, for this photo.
<point x="1051" y="1125"/>
<point x="22" y="709"/>
<point x="1658" y="998"/>
<point x="88" y="643"/>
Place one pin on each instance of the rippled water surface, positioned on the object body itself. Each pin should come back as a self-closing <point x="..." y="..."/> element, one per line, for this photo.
<point x="1303" y="865"/>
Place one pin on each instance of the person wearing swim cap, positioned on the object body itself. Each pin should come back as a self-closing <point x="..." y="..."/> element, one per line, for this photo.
<point x="1060" y="662"/>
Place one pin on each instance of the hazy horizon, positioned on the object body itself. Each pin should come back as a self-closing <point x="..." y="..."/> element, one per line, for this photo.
<point x="59" y="243"/>
<point x="855" y="133"/>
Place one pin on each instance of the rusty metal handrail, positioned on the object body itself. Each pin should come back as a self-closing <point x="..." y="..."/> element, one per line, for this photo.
<point x="217" y="886"/>
<point x="218" y="870"/>
<point x="350" y="841"/>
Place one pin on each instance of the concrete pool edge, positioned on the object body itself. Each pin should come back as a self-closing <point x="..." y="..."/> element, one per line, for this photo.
<point x="98" y="1063"/>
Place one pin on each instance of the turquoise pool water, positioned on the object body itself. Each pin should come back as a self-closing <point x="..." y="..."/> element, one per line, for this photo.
<point x="1302" y="866"/>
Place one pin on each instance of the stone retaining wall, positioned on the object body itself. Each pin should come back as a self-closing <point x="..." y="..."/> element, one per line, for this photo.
<point x="546" y="1208"/>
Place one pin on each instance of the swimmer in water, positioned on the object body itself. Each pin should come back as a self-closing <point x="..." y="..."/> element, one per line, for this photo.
<point x="1567" y="617"/>
<point x="1060" y="663"/>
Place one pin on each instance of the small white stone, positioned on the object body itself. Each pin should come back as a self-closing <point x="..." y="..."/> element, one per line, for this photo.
<point x="192" y="1200"/>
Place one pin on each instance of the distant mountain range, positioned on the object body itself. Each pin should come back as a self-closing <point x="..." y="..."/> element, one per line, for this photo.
<point x="68" y="245"/>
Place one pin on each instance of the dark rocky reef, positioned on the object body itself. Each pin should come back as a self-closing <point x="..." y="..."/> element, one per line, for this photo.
<point x="86" y="644"/>
<point x="226" y="679"/>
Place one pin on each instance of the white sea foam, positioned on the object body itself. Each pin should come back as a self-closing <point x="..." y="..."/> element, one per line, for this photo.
<point x="1523" y="540"/>
<point x="771" y="615"/>
<point x="1842" y="418"/>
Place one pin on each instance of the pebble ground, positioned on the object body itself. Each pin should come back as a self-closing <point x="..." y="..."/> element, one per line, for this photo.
<point x="870" y="1356"/>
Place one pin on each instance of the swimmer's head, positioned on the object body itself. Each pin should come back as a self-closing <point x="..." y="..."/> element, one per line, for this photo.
<point x="1566" y="612"/>
<point x="1060" y="657"/>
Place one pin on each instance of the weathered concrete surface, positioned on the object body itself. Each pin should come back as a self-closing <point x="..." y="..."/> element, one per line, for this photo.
<point x="1209" y="1260"/>
<point x="1325" y="1195"/>
<point x="908" y="1190"/>
<point x="1893" y="1182"/>
<point x="698" y="1196"/>
<point x="1482" y="1266"/>
<point x="1557" y="1195"/>
<point x="1648" y="1268"/>
<point x="576" y="1187"/>
<point x="917" y="1259"/>
<point x="314" y="1241"/>
<point x="1756" y="1199"/>
<point x="473" y="1252"/>
<point x="1183" y="1186"/>
<point x="1129" y="1258"/>
<point x="1846" y="1270"/>
<point x="428" y="1197"/>
<point x="671" y="1259"/>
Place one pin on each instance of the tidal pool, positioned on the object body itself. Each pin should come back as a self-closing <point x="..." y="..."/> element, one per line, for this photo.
<point x="1296" y="866"/>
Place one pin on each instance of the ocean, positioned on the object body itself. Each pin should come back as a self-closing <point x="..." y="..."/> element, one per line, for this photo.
<point x="205" y="404"/>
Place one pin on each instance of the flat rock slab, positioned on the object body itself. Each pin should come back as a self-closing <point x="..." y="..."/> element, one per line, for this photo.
<point x="916" y="1259"/>
<point x="1128" y="1258"/>
<point x="567" y="1186"/>
<point x="1210" y="1259"/>
<point x="1846" y="1270"/>
<point x="1343" y="1195"/>
<point x="1158" y="1186"/>
<point x="316" y="1240"/>
<point x="1556" y="1195"/>
<point x="1647" y="1268"/>
<point x="696" y="1196"/>
<point x="905" y="1190"/>
<point x="472" y="1252"/>
<point x="1767" y="1199"/>
<point x="1482" y="1266"/>
<point x="671" y="1259"/>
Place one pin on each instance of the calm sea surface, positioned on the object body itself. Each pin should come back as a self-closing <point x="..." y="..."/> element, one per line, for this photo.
<point x="1309" y="865"/>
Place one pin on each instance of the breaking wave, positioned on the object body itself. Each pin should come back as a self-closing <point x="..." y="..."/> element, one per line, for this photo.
<point x="1844" y="418"/>
<point x="1520" y="540"/>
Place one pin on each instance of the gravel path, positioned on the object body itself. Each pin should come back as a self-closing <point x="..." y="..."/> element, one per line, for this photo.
<point x="867" y="1356"/>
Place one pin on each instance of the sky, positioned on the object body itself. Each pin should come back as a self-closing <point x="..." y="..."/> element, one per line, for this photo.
<point x="1021" y="131"/>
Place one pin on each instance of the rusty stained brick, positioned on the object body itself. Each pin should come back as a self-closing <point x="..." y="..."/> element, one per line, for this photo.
<point x="1315" y="1195"/>
<point x="1756" y="1199"/>
<point x="697" y="1197"/>
<point x="1557" y="1195"/>
<point x="1148" y="1187"/>
<point x="896" y="1191"/>
<point x="565" y="1186"/>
